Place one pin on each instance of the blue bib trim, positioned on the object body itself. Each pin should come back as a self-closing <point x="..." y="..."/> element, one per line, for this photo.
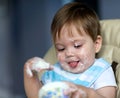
<point x="86" y="78"/>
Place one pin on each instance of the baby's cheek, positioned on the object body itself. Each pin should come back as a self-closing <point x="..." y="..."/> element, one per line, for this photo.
<point x="60" y="57"/>
<point x="89" y="60"/>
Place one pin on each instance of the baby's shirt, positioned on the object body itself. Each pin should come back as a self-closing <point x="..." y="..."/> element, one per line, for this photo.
<point x="107" y="78"/>
<point x="88" y="78"/>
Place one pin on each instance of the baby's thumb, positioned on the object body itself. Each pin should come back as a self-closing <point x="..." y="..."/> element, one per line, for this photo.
<point x="70" y="91"/>
<point x="29" y="72"/>
<point x="51" y="67"/>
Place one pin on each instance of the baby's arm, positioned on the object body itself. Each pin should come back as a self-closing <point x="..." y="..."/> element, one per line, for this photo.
<point x="31" y="81"/>
<point x="78" y="91"/>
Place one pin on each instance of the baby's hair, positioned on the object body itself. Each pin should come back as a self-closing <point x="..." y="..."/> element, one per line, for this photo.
<point x="79" y="15"/>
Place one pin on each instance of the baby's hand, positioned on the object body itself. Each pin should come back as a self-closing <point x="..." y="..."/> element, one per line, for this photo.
<point x="36" y="64"/>
<point x="74" y="91"/>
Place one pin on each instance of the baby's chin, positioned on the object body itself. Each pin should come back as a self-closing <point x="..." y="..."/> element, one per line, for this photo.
<point x="71" y="70"/>
<point x="75" y="70"/>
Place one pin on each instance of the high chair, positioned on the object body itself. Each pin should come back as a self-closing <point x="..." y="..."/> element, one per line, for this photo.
<point x="110" y="31"/>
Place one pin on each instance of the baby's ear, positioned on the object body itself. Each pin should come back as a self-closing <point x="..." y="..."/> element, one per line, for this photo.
<point x="98" y="43"/>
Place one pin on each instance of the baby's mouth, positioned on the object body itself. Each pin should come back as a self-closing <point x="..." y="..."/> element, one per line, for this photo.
<point x="73" y="64"/>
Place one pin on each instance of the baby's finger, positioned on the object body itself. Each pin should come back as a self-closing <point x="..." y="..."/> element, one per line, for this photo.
<point x="70" y="91"/>
<point x="29" y="72"/>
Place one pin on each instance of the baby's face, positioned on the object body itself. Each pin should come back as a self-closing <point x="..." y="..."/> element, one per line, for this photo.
<point x="75" y="52"/>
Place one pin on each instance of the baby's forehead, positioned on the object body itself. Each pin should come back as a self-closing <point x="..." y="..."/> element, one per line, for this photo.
<point x="71" y="30"/>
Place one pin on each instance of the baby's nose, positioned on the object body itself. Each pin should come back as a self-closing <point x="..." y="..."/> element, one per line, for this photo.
<point x="69" y="52"/>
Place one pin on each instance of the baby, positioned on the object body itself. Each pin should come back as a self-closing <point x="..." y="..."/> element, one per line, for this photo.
<point x="77" y="39"/>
